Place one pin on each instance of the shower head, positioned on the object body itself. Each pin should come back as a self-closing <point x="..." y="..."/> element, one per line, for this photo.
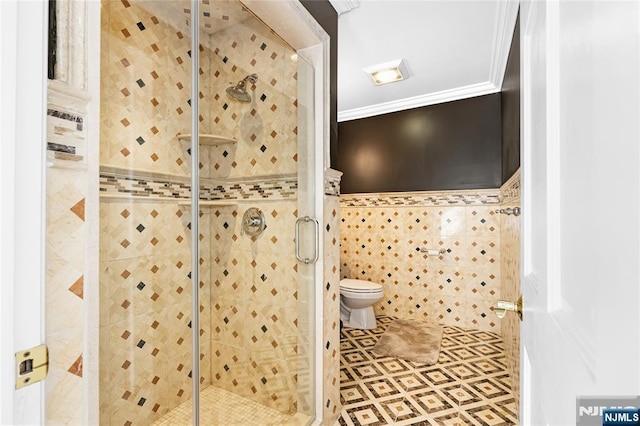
<point x="239" y="91"/>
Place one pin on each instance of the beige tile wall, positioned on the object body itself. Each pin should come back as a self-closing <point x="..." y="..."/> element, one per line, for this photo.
<point x="255" y="323"/>
<point x="145" y="90"/>
<point x="331" y="303"/>
<point x="145" y="313"/>
<point x="510" y="228"/>
<point x="64" y="291"/>
<point x="381" y="237"/>
<point x="266" y="127"/>
<point x="146" y="94"/>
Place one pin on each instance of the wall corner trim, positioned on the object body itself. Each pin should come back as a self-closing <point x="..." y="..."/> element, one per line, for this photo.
<point x="504" y="27"/>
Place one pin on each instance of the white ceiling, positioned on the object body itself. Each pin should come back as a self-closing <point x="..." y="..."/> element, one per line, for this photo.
<point x="453" y="50"/>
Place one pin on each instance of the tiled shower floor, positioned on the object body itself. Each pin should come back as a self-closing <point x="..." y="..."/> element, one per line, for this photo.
<point x="468" y="386"/>
<point x="220" y="407"/>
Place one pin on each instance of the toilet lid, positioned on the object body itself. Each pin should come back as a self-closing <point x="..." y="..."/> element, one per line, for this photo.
<point x="360" y="285"/>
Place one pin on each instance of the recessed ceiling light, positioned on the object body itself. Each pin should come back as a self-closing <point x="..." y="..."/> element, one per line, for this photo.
<point x="387" y="72"/>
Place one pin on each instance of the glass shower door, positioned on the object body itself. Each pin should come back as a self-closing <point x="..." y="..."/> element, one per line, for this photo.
<point x="247" y="123"/>
<point x="145" y="215"/>
<point x="255" y="182"/>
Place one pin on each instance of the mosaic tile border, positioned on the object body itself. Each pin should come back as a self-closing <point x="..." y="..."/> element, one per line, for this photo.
<point x="114" y="181"/>
<point x="112" y="184"/>
<point x="66" y="134"/>
<point x="423" y="198"/>
<point x="278" y="188"/>
<point x="332" y="180"/>
<point x="77" y="119"/>
<point x="510" y="190"/>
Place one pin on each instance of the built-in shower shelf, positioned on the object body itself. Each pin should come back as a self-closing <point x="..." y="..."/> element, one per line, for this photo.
<point x="209" y="140"/>
<point x="210" y="203"/>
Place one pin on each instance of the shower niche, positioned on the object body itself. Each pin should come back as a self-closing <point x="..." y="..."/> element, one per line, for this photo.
<point x="208" y="139"/>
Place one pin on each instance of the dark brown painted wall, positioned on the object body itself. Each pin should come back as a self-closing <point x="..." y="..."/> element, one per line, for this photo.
<point x="455" y="145"/>
<point x="327" y="17"/>
<point x="511" y="109"/>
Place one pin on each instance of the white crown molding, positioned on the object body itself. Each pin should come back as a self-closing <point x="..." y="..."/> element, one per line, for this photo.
<point x="470" y="91"/>
<point x="505" y="23"/>
<point x="344" y="6"/>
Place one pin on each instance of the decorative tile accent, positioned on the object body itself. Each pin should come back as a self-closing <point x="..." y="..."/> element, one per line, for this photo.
<point x="76" y="367"/>
<point x="65" y="131"/>
<point x="454" y="391"/>
<point x="510" y="190"/>
<point x="268" y="187"/>
<point x="63" y="387"/>
<point x="78" y="209"/>
<point x="77" y="119"/>
<point x="138" y="186"/>
<point x="77" y="287"/>
<point x="429" y="198"/>
<point x="332" y="183"/>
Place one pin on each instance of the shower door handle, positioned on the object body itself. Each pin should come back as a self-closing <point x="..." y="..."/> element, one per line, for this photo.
<point x="316" y="236"/>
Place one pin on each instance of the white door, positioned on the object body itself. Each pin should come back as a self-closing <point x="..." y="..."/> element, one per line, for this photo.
<point x="581" y="213"/>
<point x="22" y="115"/>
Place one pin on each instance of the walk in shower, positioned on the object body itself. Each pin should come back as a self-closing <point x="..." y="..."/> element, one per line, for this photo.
<point x="255" y="200"/>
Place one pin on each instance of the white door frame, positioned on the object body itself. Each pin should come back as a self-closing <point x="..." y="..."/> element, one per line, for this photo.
<point x="581" y="216"/>
<point x="22" y="128"/>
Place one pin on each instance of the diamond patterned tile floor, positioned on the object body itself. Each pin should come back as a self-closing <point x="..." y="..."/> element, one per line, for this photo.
<point x="468" y="386"/>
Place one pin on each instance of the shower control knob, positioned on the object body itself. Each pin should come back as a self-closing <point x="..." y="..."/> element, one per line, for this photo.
<point x="253" y="222"/>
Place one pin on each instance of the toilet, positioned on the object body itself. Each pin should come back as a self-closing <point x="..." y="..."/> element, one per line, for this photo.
<point x="357" y="298"/>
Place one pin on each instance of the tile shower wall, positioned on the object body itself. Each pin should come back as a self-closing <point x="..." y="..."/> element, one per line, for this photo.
<point x="64" y="292"/>
<point x="266" y="127"/>
<point x="145" y="315"/>
<point x="145" y="90"/>
<point x="147" y="94"/>
<point x="255" y="321"/>
<point x="510" y="282"/>
<point x="331" y="299"/>
<point x="381" y="238"/>
<point x="145" y="291"/>
<point x="70" y="257"/>
<point x="251" y="329"/>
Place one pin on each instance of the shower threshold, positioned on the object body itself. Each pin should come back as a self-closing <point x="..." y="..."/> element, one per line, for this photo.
<point x="221" y="407"/>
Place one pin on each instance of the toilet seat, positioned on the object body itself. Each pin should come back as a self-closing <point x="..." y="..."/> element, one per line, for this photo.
<point x="360" y="286"/>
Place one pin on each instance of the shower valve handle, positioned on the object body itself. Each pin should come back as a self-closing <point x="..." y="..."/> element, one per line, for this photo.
<point x="252" y="221"/>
